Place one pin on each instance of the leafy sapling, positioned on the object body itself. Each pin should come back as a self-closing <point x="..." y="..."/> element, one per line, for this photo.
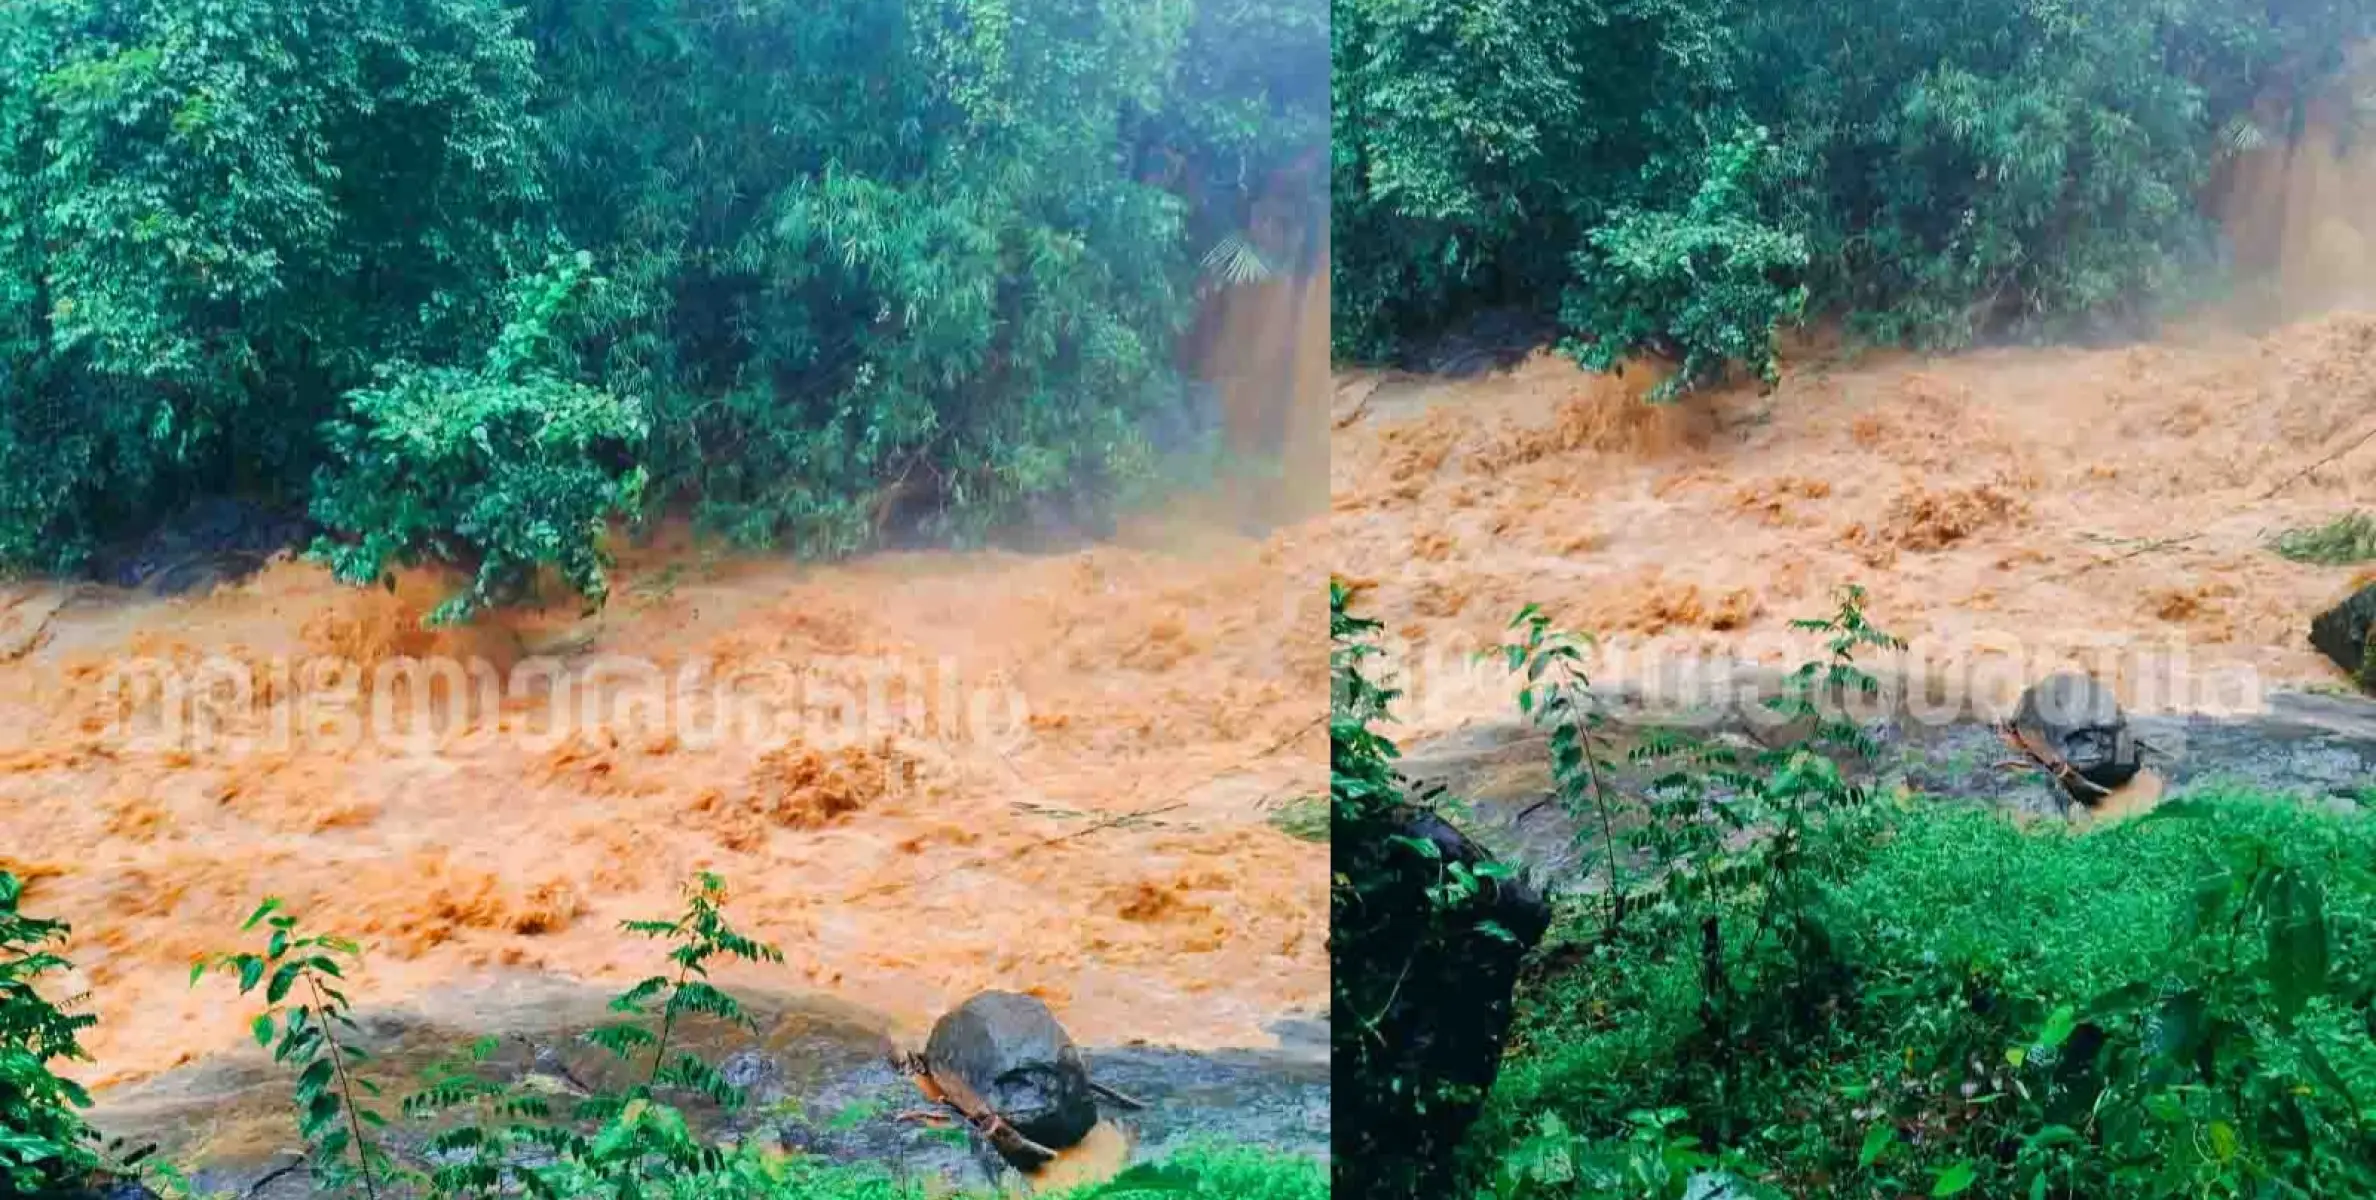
<point x="304" y="1012"/>
<point x="1557" y="697"/>
<point x="1846" y="632"/>
<point x="701" y="935"/>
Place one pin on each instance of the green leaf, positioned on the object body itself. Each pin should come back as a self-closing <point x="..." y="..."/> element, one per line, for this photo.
<point x="319" y="1111"/>
<point x="1876" y="1143"/>
<point x="1955" y="1179"/>
<point x="2297" y="963"/>
<point x="284" y="977"/>
<point x="2059" y="1025"/>
<point x="313" y="1079"/>
<point x="263" y="1029"/>
<point x="271" y="905"/>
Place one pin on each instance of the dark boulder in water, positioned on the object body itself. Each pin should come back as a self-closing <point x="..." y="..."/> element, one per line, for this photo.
<point x="1007" y="1053"/>
<point x="2341" y="633"/>
<point x="2074" y="719"/>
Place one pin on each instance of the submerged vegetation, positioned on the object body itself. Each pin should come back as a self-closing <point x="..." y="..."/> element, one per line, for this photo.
<point x="2348" y="539"/>
<point x="1681" y="177"/>
<point x="470" y="280"/>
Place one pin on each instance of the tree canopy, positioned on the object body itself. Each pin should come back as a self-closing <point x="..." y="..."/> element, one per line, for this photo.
<point x="1685" y="175"/>
<point x="471" y="278"/>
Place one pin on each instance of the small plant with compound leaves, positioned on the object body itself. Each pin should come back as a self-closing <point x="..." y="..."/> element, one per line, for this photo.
<point x="302" y="1023"/>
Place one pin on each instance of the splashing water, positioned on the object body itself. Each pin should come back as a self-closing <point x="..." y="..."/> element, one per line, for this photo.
<point x="953" y="772"/>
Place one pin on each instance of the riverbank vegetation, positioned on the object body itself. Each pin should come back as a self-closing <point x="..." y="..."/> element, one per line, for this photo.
<point x="1685" y="178"/>
<point x="465" y="1131"/>
<point x="1772" y="980"/>
<point x="469" y="280"/>
<point x="2178" y="1005"/>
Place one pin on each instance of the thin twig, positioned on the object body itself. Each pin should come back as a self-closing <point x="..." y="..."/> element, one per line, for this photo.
<point x="1370" y="1025"/>
<point x="274" y="1175"/>
<point x="2147" y="548"/>
<point x="2298" y="476"/>
<point x="1169" y="803"/>
<point x="338" y="1063"/>
<point x="1353" y="415"/>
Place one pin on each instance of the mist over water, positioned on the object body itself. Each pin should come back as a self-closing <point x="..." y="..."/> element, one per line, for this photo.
<point x="2299" y="209"/>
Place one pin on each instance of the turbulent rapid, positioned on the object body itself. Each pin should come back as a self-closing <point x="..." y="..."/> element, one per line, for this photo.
<point x="2105" y="507"/>
<point x="945" y="772"/>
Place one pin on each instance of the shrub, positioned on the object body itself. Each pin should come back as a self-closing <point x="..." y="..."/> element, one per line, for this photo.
<point x="2172" y="1005"/>
<point x="1712" y="280"/>
<point x="2350" y="538"/>
<point x="1425" y="937"/>
<point x="507" y="467"/>
<point x="1939" y="172"/>
<point x="44" y="1142"/>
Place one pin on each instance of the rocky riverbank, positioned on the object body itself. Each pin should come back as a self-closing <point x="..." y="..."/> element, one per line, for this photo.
<point x="817" y="1074"/>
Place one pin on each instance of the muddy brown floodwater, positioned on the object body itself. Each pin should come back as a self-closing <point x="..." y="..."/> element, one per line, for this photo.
<point x="2021" y="508"/>
<point x="1102" y="843"/>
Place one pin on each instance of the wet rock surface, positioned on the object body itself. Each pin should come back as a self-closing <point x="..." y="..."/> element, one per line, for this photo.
<point x="820" y="1079"/>
<point x="212" y="542"/>
<point x="2076" y="720"/>
<point x="2316" y="746"/>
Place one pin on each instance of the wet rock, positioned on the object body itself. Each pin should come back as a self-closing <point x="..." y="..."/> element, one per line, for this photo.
<point x="25" y="615"/>
<point x="749" y="1070"/>
<point x="2078" y="719"/>
<point x="99" y="1185"/>
<point x="857" y="1114"/>
<point x="1253" y="1098"/>
<point x="214" y="541"/>
<point x="1446" y="1023"/>
<point x="1494" y="339"/>
<point x="2341" y="633"/>
<point x="1009" y="1051"/>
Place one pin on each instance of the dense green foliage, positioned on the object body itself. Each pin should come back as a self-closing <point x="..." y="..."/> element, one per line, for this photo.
<point x="1681" y="176"/>
<point x="867" y="267"/>
<point x="508" y="467"/>
<point x="1363" y="939"/>
<point x="2171" y="1006"/>
<point x="1793" y="985"/>
<point x="44" y="1142"/>
<point x="1777" y="983"/>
